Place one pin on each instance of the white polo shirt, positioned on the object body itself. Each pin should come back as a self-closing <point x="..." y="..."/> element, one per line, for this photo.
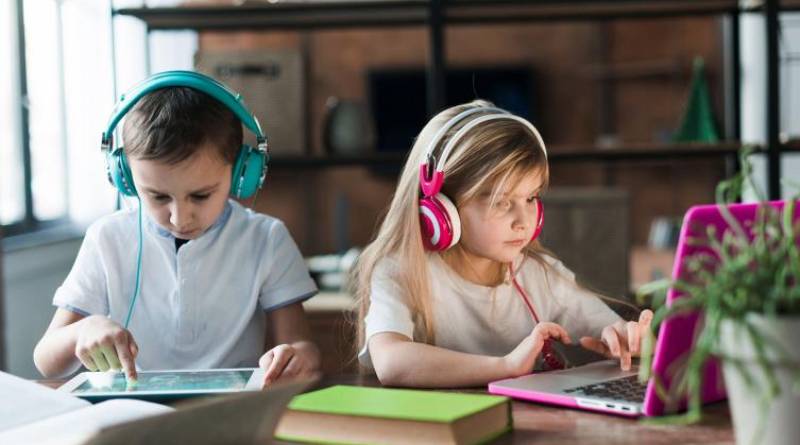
<point x="481" y="319"/>
<point x="201" y="306"/>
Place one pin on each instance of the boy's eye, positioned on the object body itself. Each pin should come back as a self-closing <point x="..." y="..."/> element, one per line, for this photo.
<point x="161" y="198"/>
<point x="201" y="197"/>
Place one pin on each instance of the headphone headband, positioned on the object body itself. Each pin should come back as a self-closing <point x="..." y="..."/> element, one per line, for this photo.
<point x="475" y="122"/>
<point x="251" y="164"/>
<point x="190" y="79"/>
<point x="451" y="123"/>
<point x="431" y="178"/>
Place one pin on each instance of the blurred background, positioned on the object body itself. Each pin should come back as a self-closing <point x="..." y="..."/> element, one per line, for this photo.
<point x="644" y="106"/>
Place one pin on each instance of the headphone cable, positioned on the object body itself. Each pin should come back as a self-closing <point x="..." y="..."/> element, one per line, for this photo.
<point x="138" y="268"/>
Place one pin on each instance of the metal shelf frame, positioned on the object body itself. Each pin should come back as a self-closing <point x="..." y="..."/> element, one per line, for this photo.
<point x="435" y="15"/>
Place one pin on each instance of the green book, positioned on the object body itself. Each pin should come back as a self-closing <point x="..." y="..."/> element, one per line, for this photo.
<point x="363" y="415"/>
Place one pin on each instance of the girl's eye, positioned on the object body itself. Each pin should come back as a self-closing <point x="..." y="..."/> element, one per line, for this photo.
<point x="202" y="197"/>
<point x="161" y="198"/>
<point x="503" y="204"/>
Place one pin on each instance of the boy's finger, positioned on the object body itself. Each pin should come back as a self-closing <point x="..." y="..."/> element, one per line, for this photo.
<point x="87" y="361"/>
<point x="110" y="354"/>
<point x="291" y="369"/>
<point x="279" y="361"/>
<point x="99" y="359"/>
<point x="127" y="362"/>
<point x="134" y="347"/>
<point x="265" y="360"/>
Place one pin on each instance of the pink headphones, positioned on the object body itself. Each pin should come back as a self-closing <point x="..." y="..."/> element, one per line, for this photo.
<point x="438" y="216"/>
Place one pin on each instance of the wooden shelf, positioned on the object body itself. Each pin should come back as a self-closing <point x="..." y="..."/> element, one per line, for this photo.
<point x="557" y="153"/>
<point x="370" y="160"/>
<point x="288" y="15"/>
<point x="320" y="15"/>
<point x="490" y="11"/>
<point x="643" y="152"/>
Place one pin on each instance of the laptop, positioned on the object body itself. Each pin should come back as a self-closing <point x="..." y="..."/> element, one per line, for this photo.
<point x="602" y="386"/>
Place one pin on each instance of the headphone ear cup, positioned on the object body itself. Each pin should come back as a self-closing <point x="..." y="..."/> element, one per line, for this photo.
<point x="119" y="174"/>
<point x="539" y="219"/>
<point x="439" y="222"/>
<point x="246" y="174"/>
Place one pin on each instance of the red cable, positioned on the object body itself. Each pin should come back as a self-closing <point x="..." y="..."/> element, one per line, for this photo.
<point x="551" y="358"/>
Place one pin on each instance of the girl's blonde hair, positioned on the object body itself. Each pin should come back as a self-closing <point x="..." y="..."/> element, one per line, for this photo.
<point x="495" y="154"/>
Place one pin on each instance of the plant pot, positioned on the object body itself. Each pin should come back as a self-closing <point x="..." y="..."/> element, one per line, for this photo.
<point x="776" y="423"/>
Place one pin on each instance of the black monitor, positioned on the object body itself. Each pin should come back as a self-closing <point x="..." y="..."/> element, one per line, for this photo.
<point x="398" y="98"/>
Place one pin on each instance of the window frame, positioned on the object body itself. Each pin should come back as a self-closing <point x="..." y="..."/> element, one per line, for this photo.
<point x="29" y="223"/>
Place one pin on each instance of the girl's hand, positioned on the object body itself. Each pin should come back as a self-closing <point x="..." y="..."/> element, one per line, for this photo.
<point x="621" y="340"/>
<point x="520" y="361"/>
<point x="103" y="344"/>
<point x="287" y="361"/>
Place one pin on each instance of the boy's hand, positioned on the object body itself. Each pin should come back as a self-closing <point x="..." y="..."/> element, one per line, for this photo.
<point x="621" y="340"/>
<point x="103" y="344"/>
<point x="287" y="361"/>
<point x="520" y="361"/>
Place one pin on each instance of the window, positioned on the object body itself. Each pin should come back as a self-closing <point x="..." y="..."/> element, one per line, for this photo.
<point x="12" y="182"/>
<point x="56" y="88"/>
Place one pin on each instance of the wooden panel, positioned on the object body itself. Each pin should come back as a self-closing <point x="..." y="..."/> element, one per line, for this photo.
<point x="651" y="59"/>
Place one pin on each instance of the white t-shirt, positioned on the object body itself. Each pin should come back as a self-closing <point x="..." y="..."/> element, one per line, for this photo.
<point x="486" y="320"/>
<point x="201" y="306"/>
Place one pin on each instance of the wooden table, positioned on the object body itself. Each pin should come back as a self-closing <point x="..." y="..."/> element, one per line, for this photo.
<point x="540" y="424"/>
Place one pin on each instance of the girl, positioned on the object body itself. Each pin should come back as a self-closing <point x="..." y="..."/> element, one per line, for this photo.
<point x="457" y="292"/>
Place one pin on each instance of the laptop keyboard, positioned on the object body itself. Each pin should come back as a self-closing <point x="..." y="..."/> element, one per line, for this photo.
<point x="628" y="389"/>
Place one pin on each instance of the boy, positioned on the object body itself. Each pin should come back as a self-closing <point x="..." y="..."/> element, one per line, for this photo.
<point x="214" y="275"/>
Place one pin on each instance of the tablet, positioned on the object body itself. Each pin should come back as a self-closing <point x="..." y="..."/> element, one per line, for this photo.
<point x="164" y="385"/>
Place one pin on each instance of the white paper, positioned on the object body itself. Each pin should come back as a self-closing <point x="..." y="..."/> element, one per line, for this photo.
<point x="23" y="401"/>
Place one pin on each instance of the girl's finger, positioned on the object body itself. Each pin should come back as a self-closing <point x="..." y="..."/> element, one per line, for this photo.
<point x="560" y="333"/>
<point x="618" y="347"/>
<point x="645" y="318"/>
<point x="595" y="345"/>
<point x="633" y="337"/>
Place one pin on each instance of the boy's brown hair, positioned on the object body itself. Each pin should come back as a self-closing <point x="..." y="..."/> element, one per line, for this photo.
<point x="170" y="124"/>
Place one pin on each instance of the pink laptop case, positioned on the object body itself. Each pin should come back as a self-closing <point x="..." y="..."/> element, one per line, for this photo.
<point x="676" y="337"/>
<point x="676" y="334"/>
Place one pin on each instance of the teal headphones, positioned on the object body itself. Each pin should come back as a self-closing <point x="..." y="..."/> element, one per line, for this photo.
<point x="250" y="168"/>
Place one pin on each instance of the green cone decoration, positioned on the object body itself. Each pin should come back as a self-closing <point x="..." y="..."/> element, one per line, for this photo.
<point x="697" y="124"/>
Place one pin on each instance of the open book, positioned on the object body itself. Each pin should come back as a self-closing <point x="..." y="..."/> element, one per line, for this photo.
<point x="32" y="413"/>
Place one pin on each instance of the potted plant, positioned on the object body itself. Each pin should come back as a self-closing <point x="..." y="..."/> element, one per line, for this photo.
<point x="745" y="284"/>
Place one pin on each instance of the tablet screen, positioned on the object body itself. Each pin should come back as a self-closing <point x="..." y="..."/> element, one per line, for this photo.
<point x="165" y="381"/>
